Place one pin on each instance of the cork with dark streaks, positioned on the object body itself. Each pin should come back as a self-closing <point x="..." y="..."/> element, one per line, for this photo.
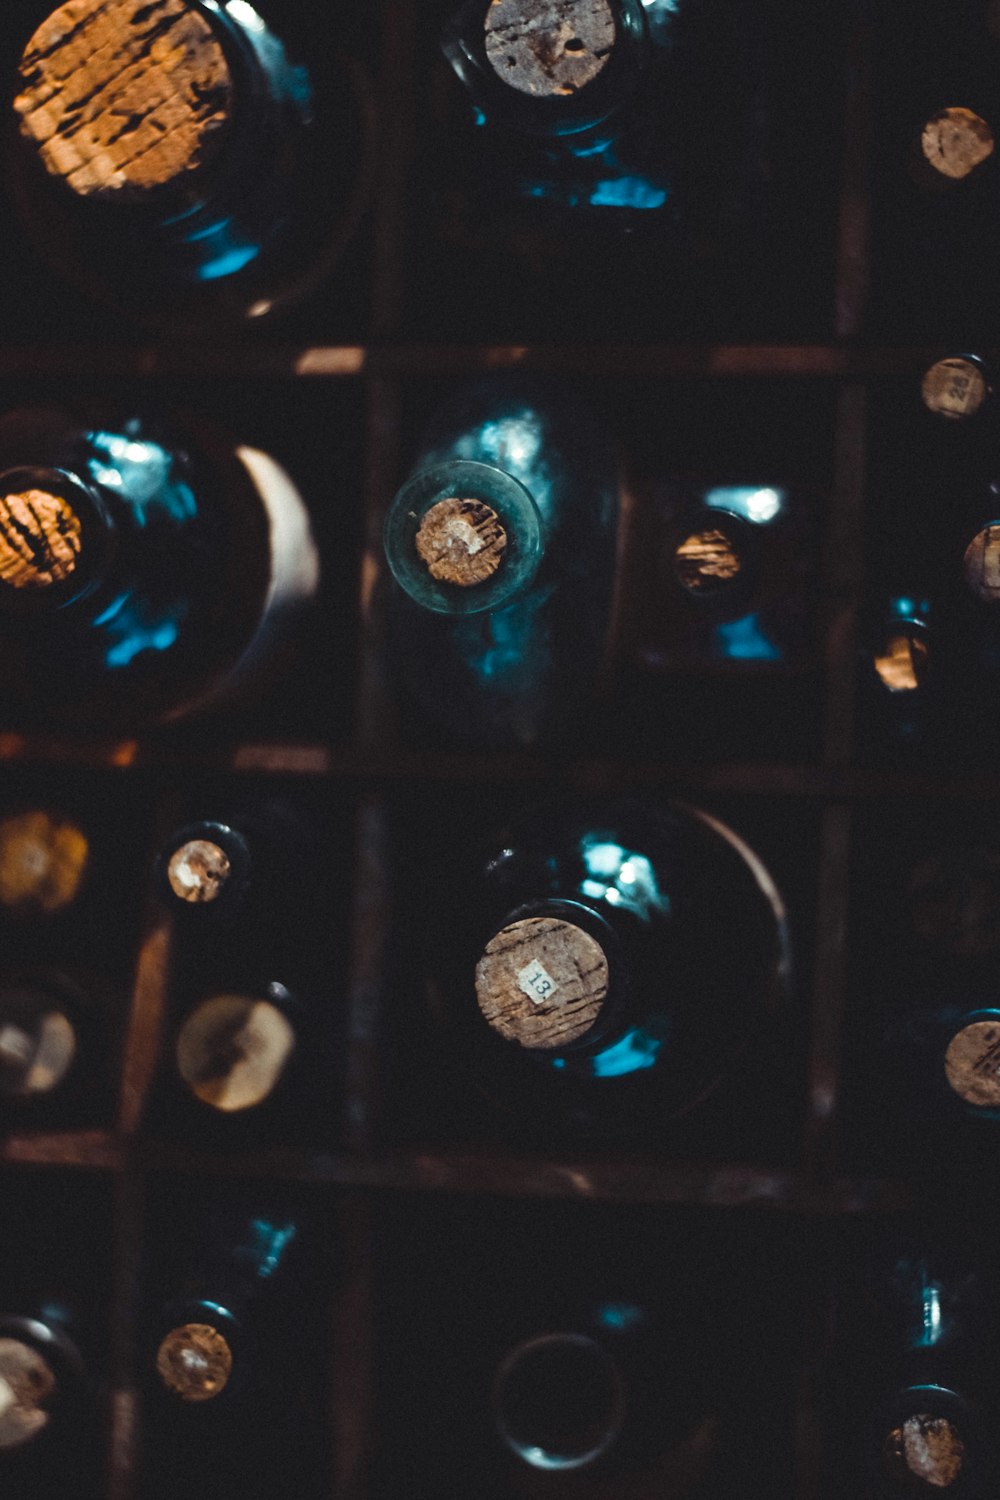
<point x="549" y="48"/>
<point x="542" y="982"/>
<point x="927" y="1449"/>
<point x="955" y="142"/>
<point x="40" y="539"/>
<point x="123" y="96"/>
<point x="461" y="541"/>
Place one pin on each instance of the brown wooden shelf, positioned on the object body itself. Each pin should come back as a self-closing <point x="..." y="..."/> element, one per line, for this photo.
<point x="97" y="1150"/>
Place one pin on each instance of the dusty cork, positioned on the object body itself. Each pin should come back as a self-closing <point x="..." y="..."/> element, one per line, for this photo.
<point x="549" y="48"/>
<point x="42" y="862"/>
<point x="461" y="541"/>
<point x="198" y="871"/>
<point x="26" y="1383"/>
<point x="954" y="388"/>
<point x="542" y="982"/>
<point x="40" y="539"/>
<point x="121" y="96"/>
<point x="926" y="1448"/>
<point x="955" y="142"/>
<point x="705" y="560"/>
<point x="232" y="1050"/>
<point x="194" y="1362"/>
<point x="982" y="564"/>
<point x="972" y="1064"/>
<point x="903" y="663"/>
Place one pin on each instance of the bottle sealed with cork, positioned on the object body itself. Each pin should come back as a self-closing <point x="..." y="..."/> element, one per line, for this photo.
<point x="173" y="158"/>
<point x="146" y="571"/>
<point x="586" y="987"/>
<point x="49" y="1416"/>
<point x="502" y="547"/>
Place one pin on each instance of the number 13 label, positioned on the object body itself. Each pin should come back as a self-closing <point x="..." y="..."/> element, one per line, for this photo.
<point x="534" y="982"/>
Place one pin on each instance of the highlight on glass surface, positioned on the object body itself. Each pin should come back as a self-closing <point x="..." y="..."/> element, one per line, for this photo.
<point x="558" y="1401"/>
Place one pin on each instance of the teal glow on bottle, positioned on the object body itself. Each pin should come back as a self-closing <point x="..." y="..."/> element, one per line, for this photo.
<point x="502" y="548"/>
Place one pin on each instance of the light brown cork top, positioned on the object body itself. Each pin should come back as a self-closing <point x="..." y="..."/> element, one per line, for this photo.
<point x="972" y="1063"/>
<point x="198" y="871"/>
<point x="26" y="1383"/>
<point x="40" y="539"/>
<point x="461" y="541"/>
<point x="955" y="142"/>
<point x="121" y="96"/>
<point x="706" y="559"/>
<point x="42" y="862"/>
<point x="549" y="48"/>
<point x="542" y="982"/>
<point x="232" y="1050"/>
<point x="982" y="564"/>
<point x="903" y="662"/>
<point x="194" y="1362"/>
<point x="954" y="388"/>
<point x="43" y="1059"/>
<point x="926" y="1448"/>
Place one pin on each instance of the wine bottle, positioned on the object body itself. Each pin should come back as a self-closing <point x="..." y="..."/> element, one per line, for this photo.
<point x="586" y="987"/>
<point x="44" y="861"/>
<point x="144" y="574"/>
<point x="174" y="158"/>
<point x="46" y="1400"/>
<point x="52" y="1048"/>
<point x="205" y="1339"/>
<point x="957" y="389"/>
<point x="501" y="543"/>
<point x="902" y="678"/>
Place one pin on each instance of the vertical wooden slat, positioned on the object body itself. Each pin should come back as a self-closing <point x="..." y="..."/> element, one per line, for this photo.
<point x="853" y="270"/>
<point x="352" y="1417"/>
<point x="397" y="83"/>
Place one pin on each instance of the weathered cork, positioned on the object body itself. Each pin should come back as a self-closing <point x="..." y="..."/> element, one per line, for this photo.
<point x="902" y="663"/>
<point x="42" y="862"/>
<point x="40" y="539"/>
<point x="194" y="1362"/>
<point x="198" y="871"/>
<point x="542" y="982"/>
<point x="121" y="96"/>
<point x="36" y="1062"/>
<point x="26" y="1383"/>
<point x="549" y="48"/>
<point x="955" y="142"/>
<point x="972" y="1063"/>
<point x="954" y="388"/>
<point x="461" y="541"/>
<point x="925" y="1448"/>
<point x="705" y="560"/>
<point x="232" y="1050"/>
<point x="982" y="564"/>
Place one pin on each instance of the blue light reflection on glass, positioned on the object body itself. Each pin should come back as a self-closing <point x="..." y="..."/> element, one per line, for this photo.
<point x="757" y="503"/>
<point x="228" y="263"/>
<point x="744" y="640"/>
<point x="636" y="1051"/>
<point x="619" y="1315"/>
<point x="622" y="878"/>
<point x="930" y="1332"/>
<point x="135" y="635"/>
<point x="628" y="192"/>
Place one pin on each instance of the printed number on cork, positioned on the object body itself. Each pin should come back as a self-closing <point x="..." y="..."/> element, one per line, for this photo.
<point x="535" y="983"/>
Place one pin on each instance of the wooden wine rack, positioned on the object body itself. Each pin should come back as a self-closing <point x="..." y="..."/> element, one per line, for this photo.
<point x="375" y="371"/>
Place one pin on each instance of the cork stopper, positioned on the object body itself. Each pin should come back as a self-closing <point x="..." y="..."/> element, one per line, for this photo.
<point x="972" y="1064"/>
<point x="34" y="1057"/>
<point x="903" y="661"/>
<point x="40" y="539"/>
<point x="982" y="564"/>
<point x="954" y="389"/>
<point x="194" y="1362"/>
<point x="26" y="1384"/>
<point x="123" y="96"/>
<point x="955" y="142"/>
<point x="198" y="871"/>
<point x="232" y="1050"/>
<point x="927" y="1449"/>
<point x="542" y="982"/>
<point x="549" y="48"/>
<point x="461" y="541"/>
<point x="42" y="863"/>
<point x="706" y="561"/>
<point x="955" y="903"/>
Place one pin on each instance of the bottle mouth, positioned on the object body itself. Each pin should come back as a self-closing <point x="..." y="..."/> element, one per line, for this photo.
<point x="542" y="983"/>
<point x="28" y="1387"/>
<point x="924" y="1450"/>
<point x="903" y="657"/>
<point x="43" y="860"/>
<point x="955" y="142"/>
<point x="556" y="53"/>
<point x="463" y="537"/>
<point x="558" y="1401"/>
<point x="55" y="539"/>
<point x="194" y="1362"/>
<point x="233" y="1050"/>
<point x="972" y="1060"/>
<point x="205" y="867"/>
<point x="712" y="553"/>
<point x="981" y="564"/>
<point x="38" y="1043"/>
<point x="955" y="388"/>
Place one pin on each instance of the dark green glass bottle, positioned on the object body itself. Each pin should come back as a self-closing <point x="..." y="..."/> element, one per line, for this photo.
<point x="48" y="1412"/>
<point x="145" y="573"/>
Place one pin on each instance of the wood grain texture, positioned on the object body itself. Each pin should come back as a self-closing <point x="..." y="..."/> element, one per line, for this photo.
<point x="542" y="983"/>
<point x="461" y="541"/>
<point x="549" y="48"/>
<point x="955" y="142"/>
<point x="122" y="96"/>
<point x="40" y="539"/>
<point x="954" y="388"/>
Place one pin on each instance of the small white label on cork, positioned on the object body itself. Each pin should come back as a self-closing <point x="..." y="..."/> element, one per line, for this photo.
<point x="535" y="983"/>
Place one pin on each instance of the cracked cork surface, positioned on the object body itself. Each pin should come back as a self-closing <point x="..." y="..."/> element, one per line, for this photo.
<point x="194" y="1362"/>
<point x="123" y="96"/>
<point x="925" y="1448"/>
<point x="549" y="48"/>
<point x="461" y="541"/>
<point x="955" y="142"/>
<point x="542" y="982"/>
<point x="198" y="871"/>
<point x="40" y="539"/>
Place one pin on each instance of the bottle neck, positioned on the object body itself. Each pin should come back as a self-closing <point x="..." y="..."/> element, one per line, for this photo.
<point x="234" y="1050"/>
<point x="463" y="537"/>
<point x="38" y="1041"/>
<point x="927" y="1442"/>
<point x="204" y="871"/>
<point x="558" y="1401"/>
<point x="57" y="540"/>
<point x="713" y="561"/>
<point x="39" y="1366"/>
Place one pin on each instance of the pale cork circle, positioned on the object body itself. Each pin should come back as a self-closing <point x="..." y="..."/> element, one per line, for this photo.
<point x="40" y="539"/>
<point x="198" y="871"/>
<point x="903" y="663"/>
<point x="26" y="1383"/>
<point x="926" y="1448"/>
<point x="955" y="142"/>
<point x="122" y="96"/>
<point x="232" y="1051"/>
<point x="44" y="1059"/>
<point x="542" y="982"/>
<point x="42" y="862"/>
<point x="954" y="388"/>
<point x="549" y="48"/>
<point x="982" y="564"/>
<point x="461" y="541"/>
<point x="706" y="560"/>
<point x="972" y="1064"/>
<point x="194" y="1362"/>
